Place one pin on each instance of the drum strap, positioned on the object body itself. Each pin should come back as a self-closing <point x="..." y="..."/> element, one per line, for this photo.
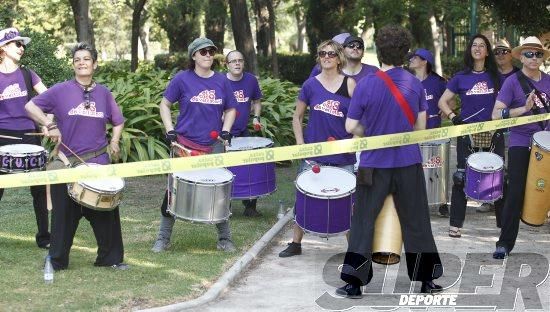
<point x="527" y="87"/>
<point x="405" y="107"/>
<point x="28" y="82"/>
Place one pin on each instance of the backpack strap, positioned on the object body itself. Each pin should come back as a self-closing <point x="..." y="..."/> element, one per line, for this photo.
<point x="527" y="87"/>
<point x="28" y="83"/>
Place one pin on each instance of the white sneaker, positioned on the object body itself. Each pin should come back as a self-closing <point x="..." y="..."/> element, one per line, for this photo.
<point x="485" y="207"/>
<point x="160" y="245"/>
<point x="226" y="245"/>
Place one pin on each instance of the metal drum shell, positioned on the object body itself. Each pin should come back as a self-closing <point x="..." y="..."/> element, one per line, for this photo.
<point x="435" y="162"/>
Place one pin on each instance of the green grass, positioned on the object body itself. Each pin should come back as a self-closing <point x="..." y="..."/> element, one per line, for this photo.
<point x="190" y="266"/>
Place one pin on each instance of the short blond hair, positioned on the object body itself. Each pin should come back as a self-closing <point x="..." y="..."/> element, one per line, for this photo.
<point x="338" y="48"/>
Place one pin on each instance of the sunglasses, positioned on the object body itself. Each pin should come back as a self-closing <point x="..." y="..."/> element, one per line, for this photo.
<point x="205" y="51"/>
<point x="87" y="99"/>
<point x="502" y="52"/>
<point x="530" y="54"/>
<point x="355" y="46"/>
<point x="20" y="44"/>
<point x="329" y="54"/>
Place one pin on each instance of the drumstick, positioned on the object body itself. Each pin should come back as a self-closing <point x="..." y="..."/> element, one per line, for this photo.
<point x="10" y="137"/>
<point x="479" y="111"/>
<point x="314" y="167"/>
<point x="77" y="157"/>
<point x="34" y="133"/>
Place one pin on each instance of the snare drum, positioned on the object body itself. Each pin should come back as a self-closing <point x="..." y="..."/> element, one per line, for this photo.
<point x="484" y="177"/>
<point x="537" y="188"/>
<point x="101" y="194"/>
<point x="16" y="158"/>
<point x="201" y="195"/>
<point x="256" y="180"/>
<point x="324" y="201"/>
<point x="435" y="156"/>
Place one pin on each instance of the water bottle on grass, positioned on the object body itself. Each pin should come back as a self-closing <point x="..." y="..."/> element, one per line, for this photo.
<point x="48" y="270"/>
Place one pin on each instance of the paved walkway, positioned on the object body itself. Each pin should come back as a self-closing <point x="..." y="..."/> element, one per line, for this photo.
<point x="307" y="282"/>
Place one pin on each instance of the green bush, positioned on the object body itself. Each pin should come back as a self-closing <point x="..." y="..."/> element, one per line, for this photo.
<point x="138" y="95"/>
<point x="451" y="65"/>
<point x="40" y="57"/>
<point x="180" y="60"/>
<point x="292" y="67"/>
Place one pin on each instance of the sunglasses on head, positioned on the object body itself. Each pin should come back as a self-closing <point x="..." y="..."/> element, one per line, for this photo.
<point x="20" y="44"/>
<point x="330" y="54"/>
<point x="355" y="45"/>
<point x="531" y="54"/>
<point x="502" y="52"/>
<point x="87" y="99"/>
<point x="205" y="51"/>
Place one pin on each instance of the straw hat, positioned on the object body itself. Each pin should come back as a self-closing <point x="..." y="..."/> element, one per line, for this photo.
<point x="531" y="43"/>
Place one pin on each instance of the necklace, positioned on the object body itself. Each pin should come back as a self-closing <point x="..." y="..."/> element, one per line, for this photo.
<point x="86" y="86"/>
<point x="479" y="71"/>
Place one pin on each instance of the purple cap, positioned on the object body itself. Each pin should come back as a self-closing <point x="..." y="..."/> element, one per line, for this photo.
<point x="425" y="54"/>
<point x="341" y="37"/>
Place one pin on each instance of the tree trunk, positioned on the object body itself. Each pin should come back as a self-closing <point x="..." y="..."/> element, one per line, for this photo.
<point x="144" y="39"/>
<point x="83" y="21"/>
<point x="301" y="30"/>
<point x="242" y="33"/>
<point x="272" y="39"/>
<point x="436" y="45"/>
<point x="262" y="27"/>
<point x="136" y="17"/>
<point x="214" y="21"/>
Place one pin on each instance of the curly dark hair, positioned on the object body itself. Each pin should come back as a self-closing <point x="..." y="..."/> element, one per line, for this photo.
<point x="392" y="44"/>
<point x="490" y="63"/>
<point x="85" y="46"/>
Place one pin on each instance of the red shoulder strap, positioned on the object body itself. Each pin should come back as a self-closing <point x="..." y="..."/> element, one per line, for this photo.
<point x="398" y="96"/>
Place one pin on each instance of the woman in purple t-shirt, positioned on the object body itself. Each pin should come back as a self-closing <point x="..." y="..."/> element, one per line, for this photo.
<point x="477" y="86"/>
<point x="204" y="96"/>
<point x="82" y="109"/>
<point x="514" y="101"/>
<point x="327" y="95"/>
<point x="14" y="121"/>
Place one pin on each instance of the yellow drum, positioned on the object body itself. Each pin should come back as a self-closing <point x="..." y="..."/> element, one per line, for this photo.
<point x="537" y="187"/>
<point x="387" y="241"/>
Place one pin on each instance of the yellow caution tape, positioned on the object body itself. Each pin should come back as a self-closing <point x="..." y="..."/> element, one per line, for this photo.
<point x="163" y="166"/>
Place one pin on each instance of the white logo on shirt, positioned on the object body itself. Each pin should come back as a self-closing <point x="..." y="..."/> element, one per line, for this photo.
<point x="329" y="107"/>
<point x="12" y="91"/>
<point x="82" y="111"/>
<point x="544" y="97"/>
<point x="206" y="97"/>
<point x="480" y="88"/>
<point x="239" y="96"/>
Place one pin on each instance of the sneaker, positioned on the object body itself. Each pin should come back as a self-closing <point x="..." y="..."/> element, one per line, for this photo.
<point x="443" y="211"/>
<point x="160" y="245"/>
<point x="251" y="212"/>
<point x="500" y="253"/>
<point x="44" y="246"/>
<point x="226" y="245"/>
<point x="121" y="266"/>
<point x="293" y="249"/>
<point x="486" y="207"/>
<point x="350" y="291"/>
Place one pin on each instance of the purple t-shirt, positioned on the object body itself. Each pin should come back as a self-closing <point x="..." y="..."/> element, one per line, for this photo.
<point x="379" y="113"/>
<point x="477" y="94"/>
<point x="327" y="118"/>
<point x="202" y="102"/>
<point x="514" y="70"/>
<point x="82" y="130"/>
<point x="434" y="87"/>
<point x="13" y="97"/>
<point x="245" y="90"/>
<point x="365" y="70"/>
<point x="512" y="96"/>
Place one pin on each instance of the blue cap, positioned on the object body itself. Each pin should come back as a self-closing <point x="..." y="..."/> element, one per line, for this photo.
<point x="425" y="54"/>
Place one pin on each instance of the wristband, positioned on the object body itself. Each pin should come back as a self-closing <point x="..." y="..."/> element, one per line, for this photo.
<point x="257" y="117"/>
<point x="505" y="113"/>
<point x="51" y="126"/>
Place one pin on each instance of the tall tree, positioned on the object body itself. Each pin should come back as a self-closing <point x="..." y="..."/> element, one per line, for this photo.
<point x="265" y="32"/>
<point x="215" y="15"/>
<point x="83" y="21"/>
<point x="242" y="33"/>
<point x="529" y="17"/>
<point x="137" y="7"/>
<point x="8" y="10"/>
<point x="181" y="21"/>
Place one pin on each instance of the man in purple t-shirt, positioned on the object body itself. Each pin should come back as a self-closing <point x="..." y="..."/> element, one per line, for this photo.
<point x="14" y="122"/>
<point x="503" y="57"/>
<point x="395" y="171"/>
<point x="525" y="93"/>
<point x="247" y="92"/>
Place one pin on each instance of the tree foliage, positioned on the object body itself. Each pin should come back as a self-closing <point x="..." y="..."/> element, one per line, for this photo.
<point x="215" y="16"/>
<point x="181" y="21"/>
<point x="529" y="17"/>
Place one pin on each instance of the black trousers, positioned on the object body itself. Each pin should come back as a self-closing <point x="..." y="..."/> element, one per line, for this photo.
<point x="408" y="187"/>
<point x="38" y="192"/>
<point x="66" y="215"/>
<point x="518" y="164"/>
<point x="458" y="197"/>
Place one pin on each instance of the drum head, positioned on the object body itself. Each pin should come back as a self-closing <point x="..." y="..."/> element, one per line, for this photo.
<point x="485" y="162"/>
<point x="22" y="149"/>
<point x="330" y="182"/>
<point x="105" y="184"/>
<point x="249" y="143"/>
<point x="207" y="176"/>
<point x="542" y="139"/>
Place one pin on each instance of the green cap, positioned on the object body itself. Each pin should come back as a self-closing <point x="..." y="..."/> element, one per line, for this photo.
<point x="198" y="44"/>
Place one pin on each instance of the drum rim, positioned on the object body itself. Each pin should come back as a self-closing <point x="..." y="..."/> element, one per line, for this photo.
<point x="40" y="147"/>
<point x="432" y="143"/>
<point x="481" y="170"/>
<point x="82" y="203"/>
<point x="173" y="174"/>
<point x="318" y="234"/>
<point x="84" y="185"/>
<point x="41" y="153"/>
<point x="301" y="190"/>
<point x="249" y="149"/>
<point x="539" y="144"/>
